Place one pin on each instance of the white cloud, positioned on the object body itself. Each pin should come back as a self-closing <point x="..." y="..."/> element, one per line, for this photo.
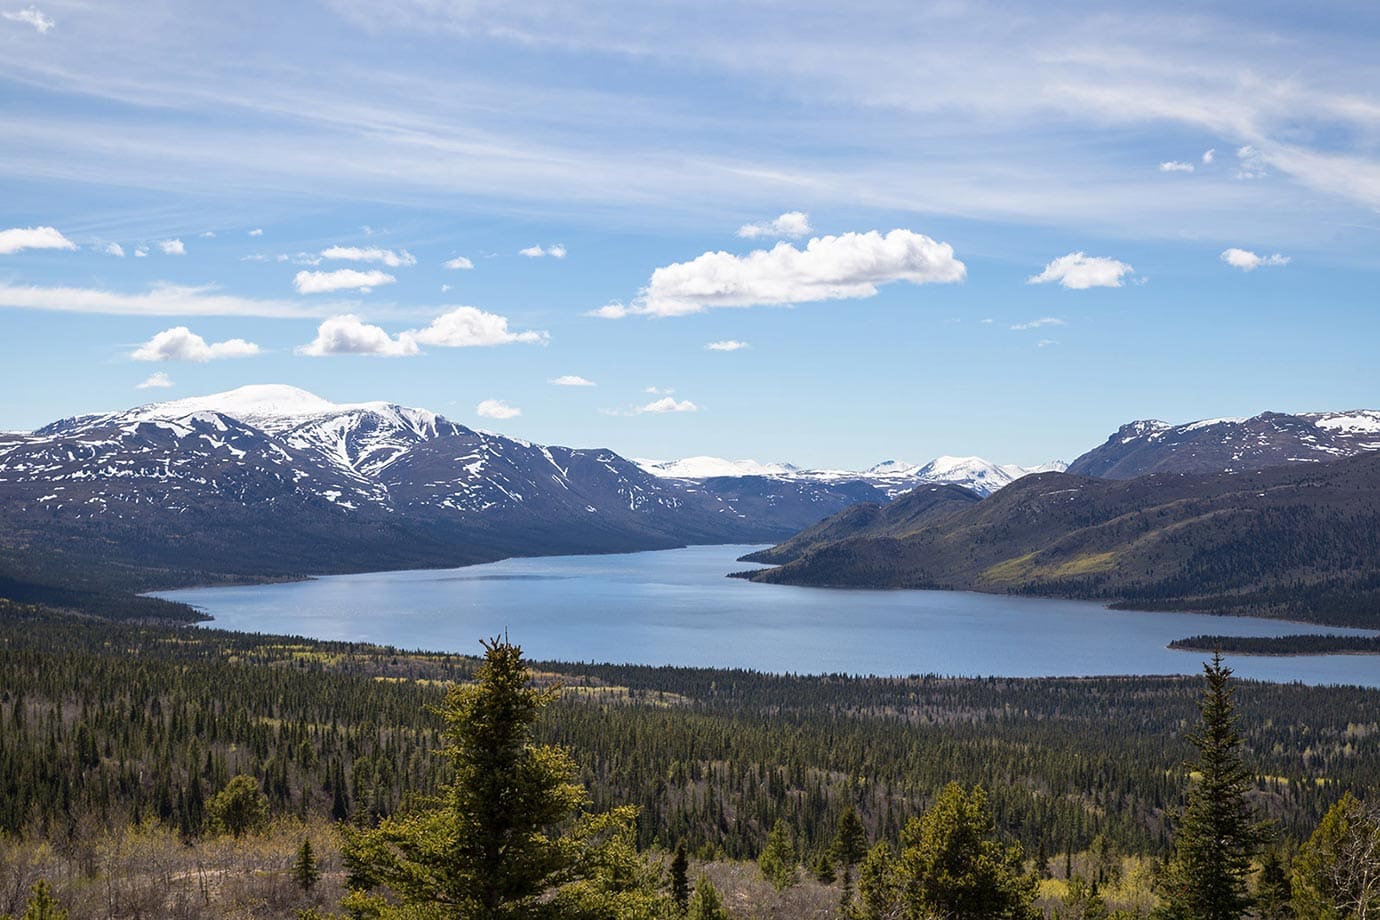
<point x="659" y="391"/>
<point x="345" y="279"/>
<point x="172" y="248"/>
<point x="1038" y="323"/>
<point x="445" y="289"/>
<point x="847" y="266"/>
<point x="163" y="299"/>
<point x="158" y="380"/>
<point x="1250" y="164"/>
<point x="461" y="327"/>
<point x="350" y="335"/>
<point x="1079" y="272"/>
<point x="555" y="251"/>
<point x="465" y="327"/>
<point x="667" y="404"/>
<point x="182" y="344"/>
<point x="19" y="238"/>
<point x="257" y="231"/>
<point x="727" y="345"/>
<point x="497" y="408"/>
<point x="31" y="16"/>
<point x="1248" y="261"/>
<point x="141" y="252"/>
<point x="1209" y="155"/>
<point x="207" y="234"/>
<point x="571" y="380"/>
<point x="791" y="225"/>
<point x="1176" y="166"/>
<point x="113" y="249"/>
<point x="613" y="310"/>
<point x="459" y="262"/>
<point x="1045" y="343"/>
<point x="372" y="254"/>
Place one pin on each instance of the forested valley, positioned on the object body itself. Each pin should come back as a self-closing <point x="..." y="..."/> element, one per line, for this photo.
<point x="150" y="770"/>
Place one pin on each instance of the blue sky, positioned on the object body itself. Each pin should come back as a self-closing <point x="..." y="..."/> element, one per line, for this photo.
<point x="963" y="228"/>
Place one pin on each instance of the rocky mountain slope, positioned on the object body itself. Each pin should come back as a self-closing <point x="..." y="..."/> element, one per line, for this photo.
<point x="1229" y="444"/>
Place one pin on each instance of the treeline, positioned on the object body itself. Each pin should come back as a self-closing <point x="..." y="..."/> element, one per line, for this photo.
<point x="1281" y="645"/>
<point x="107" y="724"/>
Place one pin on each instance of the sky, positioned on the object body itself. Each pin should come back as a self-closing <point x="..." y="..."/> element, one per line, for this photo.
<point x="818" y="233"/>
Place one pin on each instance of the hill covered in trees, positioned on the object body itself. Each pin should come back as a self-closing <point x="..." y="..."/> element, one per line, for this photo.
<point x="1296" y="542"/>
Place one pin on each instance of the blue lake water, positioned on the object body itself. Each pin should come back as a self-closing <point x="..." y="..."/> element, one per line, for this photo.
<point x="676" y="607"/>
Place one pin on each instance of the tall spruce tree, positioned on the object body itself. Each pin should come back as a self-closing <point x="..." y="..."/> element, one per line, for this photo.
<point x="505" y="841"/>
<point x="1217" y="832"/>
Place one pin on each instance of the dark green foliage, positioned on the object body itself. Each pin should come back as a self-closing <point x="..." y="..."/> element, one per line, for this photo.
<point x="1281" y="645"/>
<point x="952" y="865"/>
<point x="240" y="808"/>
<point x="305" y="871"/>
<point x="1218" y="832"/>
<point x="850" y="840"/>
<point x="879" y="892"/>
<point x="706" y="903"/>
<point x="778" y="860"/>
<point x="1082" y="902"/>
<point x="680" y="878"/>
<point x="1273" y="894"/>
<point x="42" y="905"/>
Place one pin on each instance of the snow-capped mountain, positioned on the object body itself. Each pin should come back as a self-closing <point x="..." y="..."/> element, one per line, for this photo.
<point x="268" y="479"/>
<point x="1219" y="445"/>
<point x="891" y="477"/>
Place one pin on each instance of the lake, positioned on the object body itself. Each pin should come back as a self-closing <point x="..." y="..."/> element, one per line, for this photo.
<point x="675" y="607"/>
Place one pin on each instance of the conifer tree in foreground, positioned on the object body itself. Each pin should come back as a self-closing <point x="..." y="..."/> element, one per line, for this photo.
<point x="506" y="839"/>
<point x="1218" y="832"/>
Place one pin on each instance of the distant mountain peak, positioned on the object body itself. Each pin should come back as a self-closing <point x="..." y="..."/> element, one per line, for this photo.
<point x="258" y="400"/>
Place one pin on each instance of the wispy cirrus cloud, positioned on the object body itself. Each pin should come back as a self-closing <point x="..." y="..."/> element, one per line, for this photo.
<point x="17" y="239"/>
<point x="344" y="279"/>
<point x="1079" y="271"/>
<point x="1176" y="166"/>
<point x="727" y="345"/>
<point x="162" y="299"/>
<point x="1039" y="323"/>
<point x="388" y="257"/>
<point x="848" y="266"/>
<point x="31" y="16"/>
<point x="182" y="344"/>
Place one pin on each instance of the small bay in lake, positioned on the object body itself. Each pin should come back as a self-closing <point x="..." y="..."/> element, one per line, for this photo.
<point x="675" y="607"/>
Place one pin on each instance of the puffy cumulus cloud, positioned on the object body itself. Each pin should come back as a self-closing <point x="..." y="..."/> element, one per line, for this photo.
<point x="497" y="408"/>
<point x="31" y="16"/>
<point x="182" y="344"/>
<point x="141" y="252"/>
<point x="156" y="381"/>
<point x="727" y="345"/>
<point x="162" y="299"/>
<point x="791" y="225"/>
<point x="344" y="279"/>
<point x="571" y="380"/>
<point x="1079" y="271"/>
<point x="19" y="238"/>
<point x="667" y="404"/>
<point x="257" y="231"/>
<point x="613" y="310"/>
<point x="459" y="263"/>
<point x="371" y="254"/>
<point x="461" y="327"/>
<point x="350" y="335"/>
<point x="1209" y="155"/>
<point x="1248" y="261"/>
<point x="465" y="327"/>
<point x="113" y="249"/>
<point x="1176" y="166"/>
<point x="172" y="247"/>
<point x="555" y="251"/>
<point x="848" y="266"/>
<point x="1039" y="323"/>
